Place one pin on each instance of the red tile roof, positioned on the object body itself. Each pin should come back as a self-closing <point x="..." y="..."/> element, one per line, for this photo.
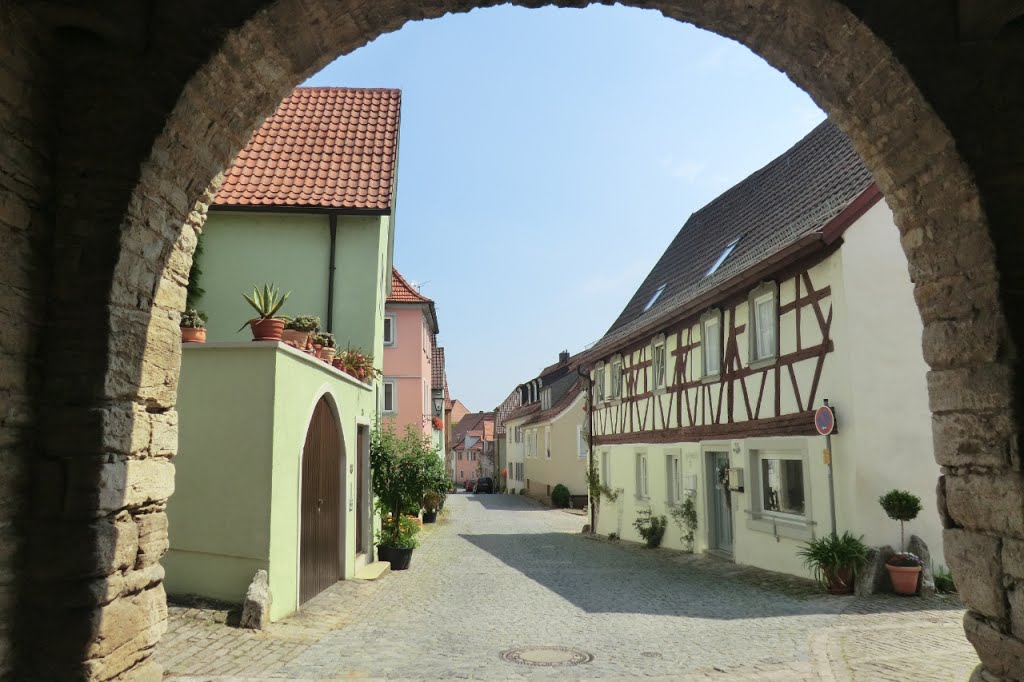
<point x="402" y="291"/>
<point x="323" y="147"/>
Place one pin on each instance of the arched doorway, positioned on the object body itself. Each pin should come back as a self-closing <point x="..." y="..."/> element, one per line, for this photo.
<point x="102" y="202"/>
<point x="321" y="543"/>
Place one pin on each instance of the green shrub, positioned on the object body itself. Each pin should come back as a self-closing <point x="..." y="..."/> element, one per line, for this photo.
<point x="522" y="491"/>
<point x="828" y="555"/>
<point x="560" y="496"/>
<point x="613" y="536"/>
<point x="650" y="527"/>
<point x="685" y="516"/>
<point x="944" y="580"/>
<point x="304" y="323"/>
<point x="400" y="536"/>
<point x="902" y="506"/>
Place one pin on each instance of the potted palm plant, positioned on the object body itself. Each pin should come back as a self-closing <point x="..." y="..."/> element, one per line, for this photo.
<point x="904" y="567"/>
<point x="267" y="326"/>
<point x="299" y="330"/>
<point x="835" y="561"/>
<point x="193" y="327"/>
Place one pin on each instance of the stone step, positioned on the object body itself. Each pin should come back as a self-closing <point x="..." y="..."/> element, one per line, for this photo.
<point x="373" y="571"/>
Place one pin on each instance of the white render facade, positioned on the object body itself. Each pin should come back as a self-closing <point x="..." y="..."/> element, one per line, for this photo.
<point x="841" y="325"/>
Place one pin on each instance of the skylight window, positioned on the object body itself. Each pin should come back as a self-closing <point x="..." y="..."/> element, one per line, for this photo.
<point x="725" y="254"/>
<point x="654" y="297"/>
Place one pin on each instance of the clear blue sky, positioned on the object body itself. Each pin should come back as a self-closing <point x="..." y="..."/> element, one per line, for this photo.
<point x="547" y="159"/>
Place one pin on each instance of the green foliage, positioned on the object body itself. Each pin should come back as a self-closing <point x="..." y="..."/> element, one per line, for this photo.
<point x="902" y="506"/>
<point x="522" y="491"/>
<point x="597" y="488"/>
<point x="560" y="496"/>
<point x="944" y="580"/>
<point x="325" y="339"/>
<point x="194" y="292"/>
<point x="613" y="536"/>
<point x="266" y="302"/>
<point x="304" y="323"/>
<point x="193" y="318"/>
<point x="431" y="501"/>
<point x="403" y="469"/>
<point x="357" y="363"/>
<point x="401" y="535"/>
<point x="830" y="554"/>
<point x="685" y="516"/>
<point x="651" y="527"/>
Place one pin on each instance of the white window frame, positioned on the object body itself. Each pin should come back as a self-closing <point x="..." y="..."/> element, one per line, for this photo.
<point x="547" y="442"/>
<point x="545" y="399"/>
<point x="599" y="383"/>
<point x="767" y="292"/>
<point x="642" y="476"/>
<point x="393" y="383"/>
<point x="659" y="369"/>
<point x="780" y="524"/>
<point x="606" y="468"/>
<point x="581" y="443"/>
<point x="711" y="318"/>
<point x="393" y="318"/>
<point x="616" y="377"/>
<point x="760" y="457"/>
<point x="674" y="478"/>
<point x="518" y="433"/>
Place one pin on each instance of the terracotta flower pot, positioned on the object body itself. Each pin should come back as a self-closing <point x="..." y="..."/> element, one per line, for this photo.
<point x="193" y="335"/>
<point x="904" y="578"/>
<point x="266" y="329"/>
<point x="294" y="337"/>
<point x="327" y="354"/>
<point x="336" y="363"/>
<point x="839" y="581"/>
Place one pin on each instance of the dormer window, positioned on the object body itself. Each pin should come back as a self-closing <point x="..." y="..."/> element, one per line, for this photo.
<point x="654" y="297"/>
<point x="721" y="259"/>
<point x="545" y="399"/>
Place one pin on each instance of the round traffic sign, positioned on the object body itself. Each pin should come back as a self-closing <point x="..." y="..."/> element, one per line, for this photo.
<point x="824" y="420"/>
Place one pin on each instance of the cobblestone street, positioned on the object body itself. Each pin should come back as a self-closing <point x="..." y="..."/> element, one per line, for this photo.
<point x="501" y="572"/>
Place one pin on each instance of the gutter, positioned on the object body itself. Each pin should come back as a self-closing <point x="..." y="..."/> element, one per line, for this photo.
<point x="331" y="266"/>
<point x="585" y="375"/>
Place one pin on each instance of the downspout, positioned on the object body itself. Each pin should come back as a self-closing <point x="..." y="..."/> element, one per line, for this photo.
<point x="333" y="223"/>
<point x="590" y="446"/>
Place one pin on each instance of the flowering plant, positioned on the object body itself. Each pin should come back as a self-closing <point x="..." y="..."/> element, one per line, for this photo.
<point x="438" y="424"/>
<point x="907" y="559"/>
<point x="355" y="362"/>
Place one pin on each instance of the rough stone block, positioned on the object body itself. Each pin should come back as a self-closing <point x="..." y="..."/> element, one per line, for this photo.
<point x="1015" y="598"/>
<point x="124" y="619"/>
<point x="987" y="502"/>
<point x="153" y="538"/>
<point x="256" y="608"/>
<point x="147" y="481"/>
<point x="976" y="339"/>
<point x="76" y="550"/>
<point x="1013" y="557"/>
<point x="972" y="439"/>
<point x="875" y="578"/>
<point x="918" y="546"/>
<point x="979" y="388"/>
<point x="1002" y="654"/>
<point x="974" y="559"/>
<point x="164" y="438"/>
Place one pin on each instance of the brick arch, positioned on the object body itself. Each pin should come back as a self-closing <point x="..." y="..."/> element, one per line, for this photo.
<point x="115" y="414"/>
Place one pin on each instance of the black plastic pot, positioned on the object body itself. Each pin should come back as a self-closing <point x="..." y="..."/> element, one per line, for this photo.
<point x="429" y="517"/>
<point x="398" y="557"/>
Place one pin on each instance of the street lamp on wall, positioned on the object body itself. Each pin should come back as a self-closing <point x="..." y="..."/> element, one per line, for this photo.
<point x="438" y="402"/>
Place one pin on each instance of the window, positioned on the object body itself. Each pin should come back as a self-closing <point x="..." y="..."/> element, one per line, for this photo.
<point x="545" y="399"/>
<point x="641" y="475"/>
<point x="658" y="362"/>
<point x="711" y="343"/>
<point x="721" y="259"/>
<point x="783" y="489"/>
<point x="581" y="443"/>
<point x="673" y="474"/>
<point x="606" y="468"/>
<point x="390" y="397"/>
<point x="518" y="433"/>
<point x="599" y="384"/>
<point x="460" y="456"/>
<point x="654" y="297"/>
<point x="389" y="329"/>
<point x="547" y="442"/>
<point x="616" y="378"/>
<point x="763" y="323"/>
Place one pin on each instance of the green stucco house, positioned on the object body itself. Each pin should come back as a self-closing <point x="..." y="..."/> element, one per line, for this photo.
<point x="272" y="470"/>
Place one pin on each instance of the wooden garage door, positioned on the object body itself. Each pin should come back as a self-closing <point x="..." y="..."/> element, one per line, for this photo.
<point x="320" y="548"/>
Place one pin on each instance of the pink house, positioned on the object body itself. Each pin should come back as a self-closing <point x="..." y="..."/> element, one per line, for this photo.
<point x="410" y="327"/>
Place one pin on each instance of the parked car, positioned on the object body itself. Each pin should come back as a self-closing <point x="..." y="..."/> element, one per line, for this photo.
<point x="484" y="485"/>
<point x="470" y="484"/>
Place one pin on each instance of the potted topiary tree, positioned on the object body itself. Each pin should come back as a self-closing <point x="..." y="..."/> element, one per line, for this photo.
<point x="904" y="567"/>
<point x="267" y="326"/>
<point x="193" y="327"/>
<point x="431" y="504"/>
<point x="835" y="561"/>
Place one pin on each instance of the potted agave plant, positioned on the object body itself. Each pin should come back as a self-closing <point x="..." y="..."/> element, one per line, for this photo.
<point x="904" y="567"/>
<point x="835" y="561"/>
<point x="326" y="346"/>
<point x="267" y="326"/>
<point x="193" y="327"/>
<point x="298" y="331"/>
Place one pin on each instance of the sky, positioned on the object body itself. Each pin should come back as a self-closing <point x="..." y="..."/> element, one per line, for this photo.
<point x="548" y="157"/>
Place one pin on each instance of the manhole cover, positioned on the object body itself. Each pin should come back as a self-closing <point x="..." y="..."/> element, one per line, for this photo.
<point x="546" y="656"/>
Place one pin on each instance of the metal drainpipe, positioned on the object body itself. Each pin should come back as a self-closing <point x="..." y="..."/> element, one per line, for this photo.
<point x="333" y="223"/>
<point x="590" y="444"/>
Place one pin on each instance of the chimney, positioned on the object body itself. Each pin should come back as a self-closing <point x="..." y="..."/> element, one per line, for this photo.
<point x="563" y="357"/>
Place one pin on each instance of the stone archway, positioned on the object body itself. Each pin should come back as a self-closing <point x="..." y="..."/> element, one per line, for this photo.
<point x="119" y="121"/>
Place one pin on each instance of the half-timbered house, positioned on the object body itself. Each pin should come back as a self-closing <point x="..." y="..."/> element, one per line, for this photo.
<point x="788" y="289"/>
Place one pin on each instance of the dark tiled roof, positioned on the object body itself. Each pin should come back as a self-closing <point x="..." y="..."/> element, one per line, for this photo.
<point x="474" y="421"/>
<point x="563" y="393"/>
<point x="501" y="412"/>
<point x="523" y="411"/>
<point x="323" y="147"/>
<point x="437" y="371"/>
<point x="794" y="195"/>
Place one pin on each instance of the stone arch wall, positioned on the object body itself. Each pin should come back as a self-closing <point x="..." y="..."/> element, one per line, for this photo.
<point x="127" y="126"/>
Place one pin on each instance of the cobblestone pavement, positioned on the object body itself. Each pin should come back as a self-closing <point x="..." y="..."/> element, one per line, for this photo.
<point x="501" y="572"/>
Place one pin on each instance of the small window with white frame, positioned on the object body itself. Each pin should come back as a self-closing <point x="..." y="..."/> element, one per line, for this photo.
<point x="518" y="433"/>
<point x="673" y="475"/>
<point x="390" y="320"/>
<point x="711" y="343"/>
<point x="599" y="383"/>
<point x="390" y="397"/>
<point x="659" y="362"/>
<point x="764" y="322"/>
<point x="581" y="442"/>
<point x="616" y="377"/>
<point x="641" y="475"/>
<point x="606" y="468"/>
<point x="783" y="483"/>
